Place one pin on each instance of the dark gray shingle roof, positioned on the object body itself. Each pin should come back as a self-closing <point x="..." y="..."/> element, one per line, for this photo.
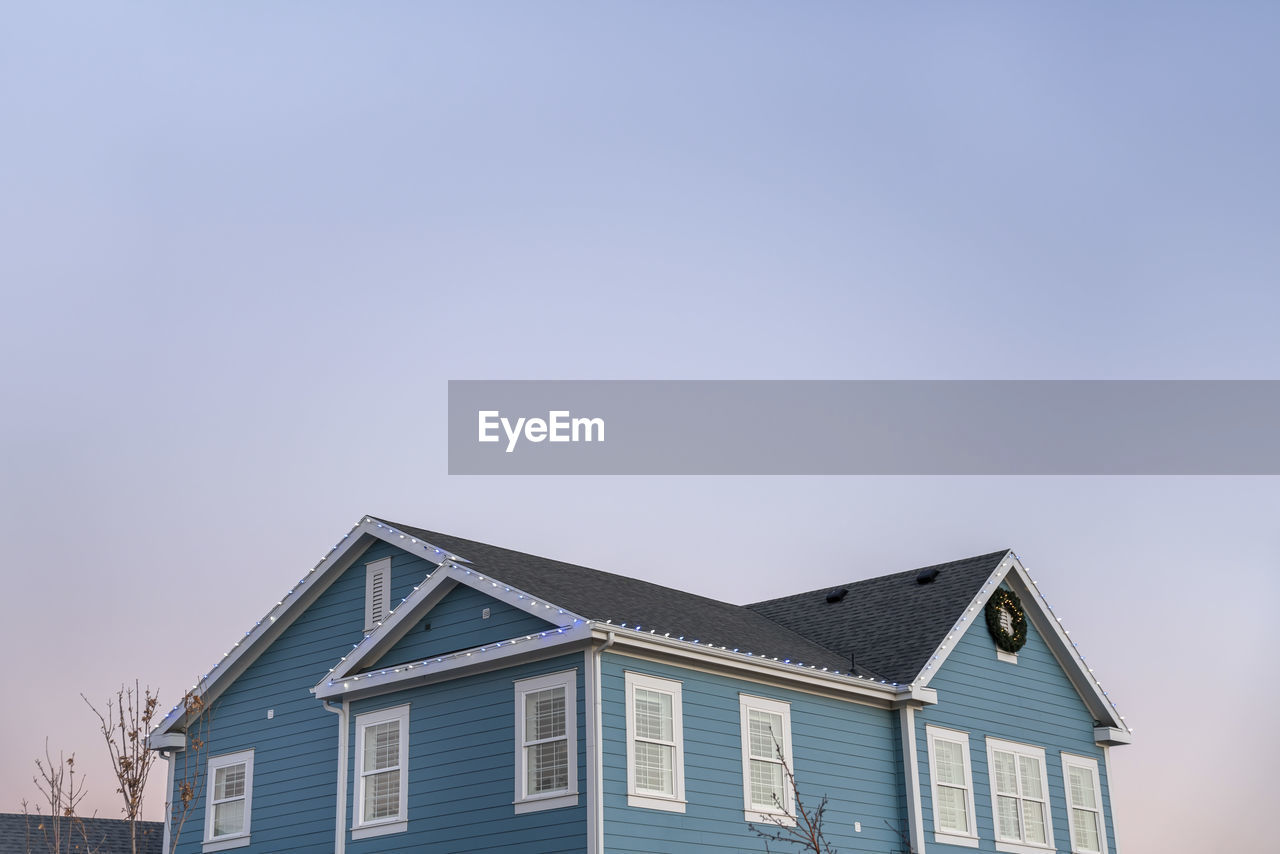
<point x="599" y="595"/>
<point x="96" y="835"/>
<point x="891" y="623"/>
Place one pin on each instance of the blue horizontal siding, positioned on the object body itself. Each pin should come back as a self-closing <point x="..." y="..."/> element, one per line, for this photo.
<point x="457" y="622"/>
<point x="1031" y="702"/>
<point x="295" y="753"/>
<point x="845" y="751"/>
<point x="462" y="769"/>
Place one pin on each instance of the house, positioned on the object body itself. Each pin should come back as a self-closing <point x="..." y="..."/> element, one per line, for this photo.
<point x="42" y="834"/>
<point x="417" y="691"/>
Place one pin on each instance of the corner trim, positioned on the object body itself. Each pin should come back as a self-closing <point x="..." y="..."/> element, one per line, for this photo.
<point x="911" y="775"/>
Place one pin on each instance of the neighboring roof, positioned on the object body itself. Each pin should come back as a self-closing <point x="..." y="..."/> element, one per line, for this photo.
<point x="100" y="835"/>
<point x="598" y="595"/>
<point x="891" y="624"/>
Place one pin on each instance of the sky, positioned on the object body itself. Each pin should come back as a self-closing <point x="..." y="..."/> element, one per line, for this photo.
<point x="245" y="248"/>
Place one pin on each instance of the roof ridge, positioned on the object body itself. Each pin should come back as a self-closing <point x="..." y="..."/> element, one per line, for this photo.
<point x="902" y="572"/>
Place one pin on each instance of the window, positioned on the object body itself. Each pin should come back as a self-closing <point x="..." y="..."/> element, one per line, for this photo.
<point x="230" y="795"/>
<point x="1006" y="621"/>
<point x="377" y="590"/>
<point x="655" y="743"/>
<point x="766" y="751"/>
<point x="546" y="742"/>
<point x="382" y="760"/>
<point x="1084" y="799"/>
<point x="951" y="782"/>
<point x="1019" y="795"/>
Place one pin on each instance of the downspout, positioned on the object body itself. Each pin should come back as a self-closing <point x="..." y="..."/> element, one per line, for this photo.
<point x="169" y="761"/>
<point x="340" y="810"/>
<point x="598" y="735"/>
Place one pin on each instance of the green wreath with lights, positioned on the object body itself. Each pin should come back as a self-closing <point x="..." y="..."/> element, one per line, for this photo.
<point x="1007" y="600"/>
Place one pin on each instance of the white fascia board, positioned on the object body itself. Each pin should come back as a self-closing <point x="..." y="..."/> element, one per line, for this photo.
<point x="423" y="598"/>
<point x="1049" y="625"/>
<point x="167" y="741"/>
<point x="963" y="622"/>
<point x="858" y="688"/>
<point x="1108" y="736"/>
<point x="339" y="558"/>
<point x="454" y="664"/>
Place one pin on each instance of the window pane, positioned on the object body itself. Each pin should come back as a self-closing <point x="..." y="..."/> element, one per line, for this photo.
<point x="544" y="714"/>
<point x="1007" y="824"/>
<point x="767" y="785"/>
<point x="382" y="746"/>
<point x="381" y="795"/>
<point x="950" y="761"/>
<point x="953" y="810"/>
<point x="766" y="733"/>
<point x="228" y="782"/>
<point x="1033" y="821"/>
<point x="1085" y="825"/>
<point x="653" y="715"/>
<point x="1029" y="771"/>
<point x="548" y="766"/>
<point x="1082" y="787"/>
<point x="228" y="817"/>
<point x="1006" y="776"/>
<point x="655" y="768"/>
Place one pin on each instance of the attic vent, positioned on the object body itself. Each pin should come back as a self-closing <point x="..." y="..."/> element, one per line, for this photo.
<point x="837" y="594"/>
<point x="377" y="581"/>
<point x="926" y="576"/>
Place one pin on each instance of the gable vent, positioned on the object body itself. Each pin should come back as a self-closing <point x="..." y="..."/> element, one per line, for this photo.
<point x="837" y="594"/>
<point x="926" y="576"/>
<point x="377" y="583"/>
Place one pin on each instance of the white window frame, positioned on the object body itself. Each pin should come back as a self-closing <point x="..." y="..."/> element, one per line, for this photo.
<point x="228" y="840"/>
<point x="1037" y="753"/>
<point x="399" y="822"/>
<point x="1090" y="765"/>
<point x="372" y="571"/>
<point x="786" y="816"/>
<point x="567" y="797"/>
<point x="934" y="734"/>
<point x="646" y="799"/>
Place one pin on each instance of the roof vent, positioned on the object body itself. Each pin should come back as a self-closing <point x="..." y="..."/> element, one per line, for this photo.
<point x="926" y="576"/>
<point x="837" y="594"/>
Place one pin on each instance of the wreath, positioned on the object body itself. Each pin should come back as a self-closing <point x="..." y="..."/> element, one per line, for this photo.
<point x="1007" y="601"/>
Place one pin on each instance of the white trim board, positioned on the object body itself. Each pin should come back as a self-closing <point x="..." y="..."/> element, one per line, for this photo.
<point x="1011" y="571"/>
<point x="426" y="596"/>
<point x="318" y="579"/>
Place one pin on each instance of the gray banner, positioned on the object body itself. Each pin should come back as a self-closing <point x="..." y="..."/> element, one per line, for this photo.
<point x="864" y="427"/>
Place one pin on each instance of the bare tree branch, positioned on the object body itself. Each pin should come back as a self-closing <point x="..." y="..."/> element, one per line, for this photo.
<point x="124" y="727"/>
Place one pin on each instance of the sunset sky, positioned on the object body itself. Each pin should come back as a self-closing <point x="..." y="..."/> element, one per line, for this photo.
<point x="246" y="247"/>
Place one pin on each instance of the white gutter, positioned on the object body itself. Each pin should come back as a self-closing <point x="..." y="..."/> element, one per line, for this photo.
<point x="882" y="693"/>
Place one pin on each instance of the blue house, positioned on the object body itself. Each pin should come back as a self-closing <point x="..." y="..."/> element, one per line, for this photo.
<point x="417" y="691"/>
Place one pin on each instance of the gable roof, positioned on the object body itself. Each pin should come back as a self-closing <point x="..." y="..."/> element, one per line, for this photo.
<point x="891" y="624"/>
<point x="899" y="635"/>
<point x="103" y="835"/>
<point x="601" y="596"/>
